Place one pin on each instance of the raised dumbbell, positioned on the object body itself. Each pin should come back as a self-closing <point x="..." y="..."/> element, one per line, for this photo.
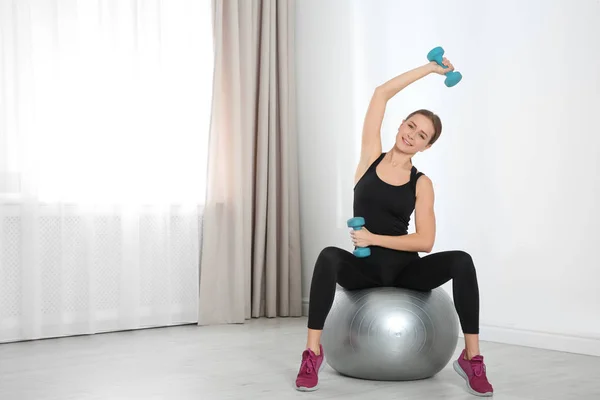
<point x="357" y="223"/>
<point x="452" y="77"/>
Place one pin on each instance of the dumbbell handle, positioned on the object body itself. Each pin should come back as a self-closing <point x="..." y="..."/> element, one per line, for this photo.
<point x="357" y="223"/>
<point x="441" y="64"/>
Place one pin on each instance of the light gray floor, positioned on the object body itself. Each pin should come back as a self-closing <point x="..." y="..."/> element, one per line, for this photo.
<point x="259" y="359"/>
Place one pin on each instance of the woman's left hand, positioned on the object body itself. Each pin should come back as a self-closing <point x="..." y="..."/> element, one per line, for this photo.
<point x="362" y="237"/>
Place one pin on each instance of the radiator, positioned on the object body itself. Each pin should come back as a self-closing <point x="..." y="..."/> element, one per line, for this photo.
<point x="64" y="271"/>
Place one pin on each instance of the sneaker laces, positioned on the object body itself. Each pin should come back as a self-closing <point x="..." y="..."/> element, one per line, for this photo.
<point x="308" y="364"/>
<point x="477" y="366"/>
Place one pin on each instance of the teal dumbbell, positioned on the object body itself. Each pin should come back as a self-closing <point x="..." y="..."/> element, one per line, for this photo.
<point x="452" y="77"/>
<point x="357" y="223"/>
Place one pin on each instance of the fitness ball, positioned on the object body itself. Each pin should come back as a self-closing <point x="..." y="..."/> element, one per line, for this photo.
<point x="390" y="334"/>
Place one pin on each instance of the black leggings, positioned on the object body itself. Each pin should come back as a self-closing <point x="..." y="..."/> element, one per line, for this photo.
<point x="335" y="265"/>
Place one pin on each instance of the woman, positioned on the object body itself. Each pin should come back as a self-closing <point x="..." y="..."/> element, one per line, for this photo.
<point x="388" y="188"/>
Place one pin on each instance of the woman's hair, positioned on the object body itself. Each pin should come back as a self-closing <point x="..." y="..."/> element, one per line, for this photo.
<point x="435" y="120"/>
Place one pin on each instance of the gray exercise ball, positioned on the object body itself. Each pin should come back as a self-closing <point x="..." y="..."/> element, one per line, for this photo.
<point x="390" y="334"/>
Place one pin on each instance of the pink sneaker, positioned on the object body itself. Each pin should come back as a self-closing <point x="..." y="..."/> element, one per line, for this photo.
<point x="308" y="377"/>
<point x="473" y="371"/>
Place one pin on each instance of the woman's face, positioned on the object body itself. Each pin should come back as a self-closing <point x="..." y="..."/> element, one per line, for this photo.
<point x="414" y="134"/>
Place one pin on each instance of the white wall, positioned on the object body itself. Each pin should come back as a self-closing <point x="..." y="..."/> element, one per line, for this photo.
<point x="514" y="168"/>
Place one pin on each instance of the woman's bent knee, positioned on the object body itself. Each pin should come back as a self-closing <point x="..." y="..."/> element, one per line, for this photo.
<point x="331" y="252"/>
<point x="330" y="255"/>
<point x="463" y="263"/>
<point x="328" y="260"/>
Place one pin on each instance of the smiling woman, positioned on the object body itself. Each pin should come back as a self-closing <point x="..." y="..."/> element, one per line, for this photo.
<point x="104" y="124"/>
<point x="388" y="189"/>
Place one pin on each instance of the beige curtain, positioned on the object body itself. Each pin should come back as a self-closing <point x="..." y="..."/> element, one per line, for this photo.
<point x="250" y="264"/>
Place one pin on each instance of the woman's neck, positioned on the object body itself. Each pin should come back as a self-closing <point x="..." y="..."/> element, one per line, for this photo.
<point x="400" y="159"/>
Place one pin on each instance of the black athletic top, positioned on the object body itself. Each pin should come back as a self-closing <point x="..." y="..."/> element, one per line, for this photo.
<point x="386" y="209"/>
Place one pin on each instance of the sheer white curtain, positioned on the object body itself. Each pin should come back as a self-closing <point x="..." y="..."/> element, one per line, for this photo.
<point x="104" y="118"/>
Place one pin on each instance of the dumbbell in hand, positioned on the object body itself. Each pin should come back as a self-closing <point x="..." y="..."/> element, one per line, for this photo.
<point x="357" y="223"/>
<point x="452" y="77"/>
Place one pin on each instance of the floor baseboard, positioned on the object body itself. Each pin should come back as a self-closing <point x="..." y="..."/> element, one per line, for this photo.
<point x="541" y="340"/>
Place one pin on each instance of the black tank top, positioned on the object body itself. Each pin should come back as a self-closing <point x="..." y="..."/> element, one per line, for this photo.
<point x="387" y="210"/>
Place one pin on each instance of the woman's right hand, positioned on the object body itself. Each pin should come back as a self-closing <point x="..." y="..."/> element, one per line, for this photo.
<point x="441" y="70"/>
